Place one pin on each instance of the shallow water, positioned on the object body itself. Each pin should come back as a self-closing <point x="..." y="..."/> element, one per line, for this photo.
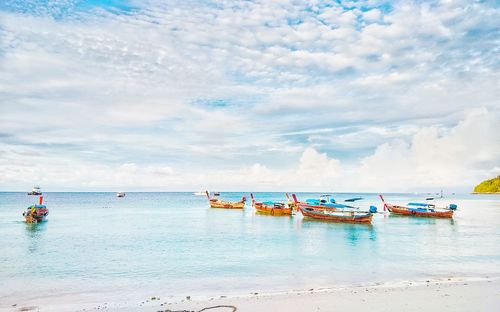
<point x="173" y="244"/>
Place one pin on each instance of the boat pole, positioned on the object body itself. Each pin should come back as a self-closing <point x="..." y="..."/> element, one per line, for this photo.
<point x="382" y="198"/>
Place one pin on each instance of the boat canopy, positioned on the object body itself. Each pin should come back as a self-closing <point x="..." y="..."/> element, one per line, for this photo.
<point x="312" y="201"/>
<point x="38" y="206"/>
<point x="418" y="209"/>
<point x="270" y="203"/>
<point x="338" y="206"/>
<point x="319" y="202"/>
<point x="323" y="199"/>
<point x="418" y="204"/>
<point x="353" y="199"/>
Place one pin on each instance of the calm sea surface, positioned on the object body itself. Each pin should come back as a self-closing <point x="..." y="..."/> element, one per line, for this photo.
<point x="174" y="244"/>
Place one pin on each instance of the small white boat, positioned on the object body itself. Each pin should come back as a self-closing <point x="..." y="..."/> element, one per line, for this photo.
<point x="120" y="194"/>
<point x="35" y="191"/>
<point x="202" y="193"/>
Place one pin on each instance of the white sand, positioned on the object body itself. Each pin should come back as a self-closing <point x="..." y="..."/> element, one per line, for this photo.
<point x="444" y="295"/>
<point x="433" y="296"/>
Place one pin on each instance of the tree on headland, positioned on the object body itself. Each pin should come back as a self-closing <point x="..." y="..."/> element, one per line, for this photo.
<point x="488" y="186"/>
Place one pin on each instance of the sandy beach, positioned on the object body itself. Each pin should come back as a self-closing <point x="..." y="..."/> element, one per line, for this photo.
<point x="451" y="294"/>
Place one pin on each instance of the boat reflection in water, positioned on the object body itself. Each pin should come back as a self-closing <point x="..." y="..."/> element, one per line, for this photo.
<point x="35" y="233"/>
<point x="347" y="233"/>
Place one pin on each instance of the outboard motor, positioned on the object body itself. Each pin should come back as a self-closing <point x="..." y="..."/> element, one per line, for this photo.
<point x="373" y="209"/>
<point x="452" y="207"/>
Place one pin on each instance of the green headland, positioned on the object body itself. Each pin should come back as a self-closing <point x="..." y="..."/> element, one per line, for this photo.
<point x="491" y="186"/>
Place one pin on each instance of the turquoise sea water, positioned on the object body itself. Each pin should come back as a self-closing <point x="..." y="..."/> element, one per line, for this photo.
<point x="174" y="244"/>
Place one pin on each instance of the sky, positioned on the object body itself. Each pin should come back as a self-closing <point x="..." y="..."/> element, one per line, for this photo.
<point x="346" y="96"/>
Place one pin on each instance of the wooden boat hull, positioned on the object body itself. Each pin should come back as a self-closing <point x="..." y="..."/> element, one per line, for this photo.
<point x="217" y="203"/>
<point x="346" y="217"/>
<point x="272" y="210"/>
<point x="31" y="219"/>
<point x="302" y="205"/>
<point x="401" y="210"/>
<point x="227" y="205"/>
<point x="35" y="215"/>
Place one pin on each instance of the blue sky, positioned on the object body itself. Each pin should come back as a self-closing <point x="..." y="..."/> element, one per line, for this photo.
<point x="239" y="95"/>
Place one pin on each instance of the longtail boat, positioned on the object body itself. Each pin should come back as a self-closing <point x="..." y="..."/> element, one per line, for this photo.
<point x="271" y="207"/>
<point x="36" y="213"/>
<point x="420" y="209"/>
<point x="338" y="215"/>
<point x="218" y="203"/>
<point x="327" y="209"/>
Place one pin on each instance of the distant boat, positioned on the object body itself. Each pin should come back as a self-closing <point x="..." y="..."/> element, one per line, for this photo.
<point x="35" y="191"/>
<point x="218" y="203"/>
<point x="353" y="199"/>
<point x="202" y="193"/>
<point x="120" y="194"/>
<point x="271" y="207"/>
<point x="429" y="198"/>
<point x="216" y="194"/>
<point x="36" y="213"/>
<point x="421" y="209"/>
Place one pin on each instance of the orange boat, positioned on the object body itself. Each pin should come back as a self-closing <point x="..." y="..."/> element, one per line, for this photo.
<point x="272" y="208"/>
<point x="218" y="203"/>
<point x="420" y="210"/>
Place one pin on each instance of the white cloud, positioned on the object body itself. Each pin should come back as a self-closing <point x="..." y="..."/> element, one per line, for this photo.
<point x="317" y="168"/>
<point x="104" y="92"/>
<point x="373" y="15"/>
<point x="460" y="156"/>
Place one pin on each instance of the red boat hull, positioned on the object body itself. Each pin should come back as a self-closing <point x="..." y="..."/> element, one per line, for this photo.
<point x="409" y="212"/>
